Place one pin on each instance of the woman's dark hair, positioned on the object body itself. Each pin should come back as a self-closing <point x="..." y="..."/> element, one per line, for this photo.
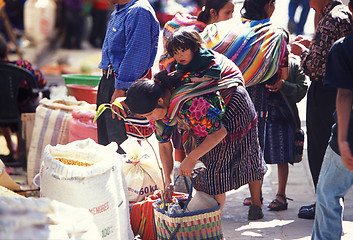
<point x="184" y="38"/>
<point x="142" y="96"/>
<point x="205" y="15"/>
<point x="255" y="9"/>
<point x="3" y="47"/>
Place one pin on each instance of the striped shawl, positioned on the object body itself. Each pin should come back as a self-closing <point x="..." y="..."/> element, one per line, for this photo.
<point x="256" y="47"/>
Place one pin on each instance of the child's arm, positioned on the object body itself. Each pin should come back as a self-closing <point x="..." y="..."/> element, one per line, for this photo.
<point x="199" y="79"/>
<point x="212" y="73"/>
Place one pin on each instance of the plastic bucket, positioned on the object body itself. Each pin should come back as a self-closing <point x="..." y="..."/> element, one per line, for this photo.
<point x="80" y="79"/>
<point x="83" y="92"/>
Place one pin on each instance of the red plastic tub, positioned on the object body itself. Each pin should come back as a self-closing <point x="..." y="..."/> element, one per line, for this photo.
<point x="84" y="92"/>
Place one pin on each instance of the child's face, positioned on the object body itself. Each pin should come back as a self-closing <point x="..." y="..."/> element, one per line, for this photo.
<point x="183" y="56"/>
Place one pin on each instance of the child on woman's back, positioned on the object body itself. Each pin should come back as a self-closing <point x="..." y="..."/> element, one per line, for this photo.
<point x="185" y="45"/>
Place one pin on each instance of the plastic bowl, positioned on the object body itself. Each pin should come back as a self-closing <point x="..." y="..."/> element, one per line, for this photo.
<point x="88" y="80"/>
<point x="84" y="92"/>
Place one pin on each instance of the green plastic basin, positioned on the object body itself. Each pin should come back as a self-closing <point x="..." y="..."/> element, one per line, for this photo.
<point x="80" y="79"/>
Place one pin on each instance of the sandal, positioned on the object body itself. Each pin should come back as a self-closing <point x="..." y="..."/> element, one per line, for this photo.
<point x="247" y="200"/>
<point x="255" y="212"/>
<point x="278" y="205"/>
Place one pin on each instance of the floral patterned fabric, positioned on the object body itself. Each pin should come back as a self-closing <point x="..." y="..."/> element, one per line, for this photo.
<point x="203" y="114"/>
<point x="199" y="116"/>
<point x="198" y="108"/>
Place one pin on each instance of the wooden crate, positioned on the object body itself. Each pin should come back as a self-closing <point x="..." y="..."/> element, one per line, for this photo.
<point x="27" y="128"/>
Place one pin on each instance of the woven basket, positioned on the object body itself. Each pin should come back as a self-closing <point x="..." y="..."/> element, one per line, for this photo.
<point x="202" y="224"/>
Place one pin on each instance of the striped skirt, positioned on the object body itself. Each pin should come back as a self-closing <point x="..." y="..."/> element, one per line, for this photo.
<point x="279" y="133"/>
<point x="237" y="159"/>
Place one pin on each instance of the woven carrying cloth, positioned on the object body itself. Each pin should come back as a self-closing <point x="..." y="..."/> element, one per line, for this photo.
<point x="256" y="47"/>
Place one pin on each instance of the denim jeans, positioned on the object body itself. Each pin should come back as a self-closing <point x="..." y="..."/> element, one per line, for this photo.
<point x="334" y="182"/>
<point x="292" y="7"/>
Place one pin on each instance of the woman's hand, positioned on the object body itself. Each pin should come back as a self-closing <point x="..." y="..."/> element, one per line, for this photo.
<point x="346" y="154"/>
<point x="303" y="40"/>
<point x="297" y="48"/>
<point x="187" y="166"/>
<point x="169" y="189"/>
<point x="118" y="93"/>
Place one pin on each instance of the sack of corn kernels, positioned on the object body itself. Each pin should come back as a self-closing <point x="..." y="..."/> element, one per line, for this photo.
<point x="86" y="174"/>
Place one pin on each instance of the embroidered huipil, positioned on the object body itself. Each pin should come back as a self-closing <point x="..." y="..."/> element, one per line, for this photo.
<point x="198" y="117"/>
<point x="128" y="47"/>
<point x="198" y="108"/>
<point x="336" y="22"/>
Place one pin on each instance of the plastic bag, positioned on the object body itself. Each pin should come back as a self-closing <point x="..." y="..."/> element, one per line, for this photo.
<point x="141" y="171"/>
<point x="39" y="19"/>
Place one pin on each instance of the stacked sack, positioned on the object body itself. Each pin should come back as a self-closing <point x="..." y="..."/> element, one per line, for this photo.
<point x="82" y="125"/>
<point x="51" y="126"/>
<point x="86" y="174"/>
<point x="33" y="218"/>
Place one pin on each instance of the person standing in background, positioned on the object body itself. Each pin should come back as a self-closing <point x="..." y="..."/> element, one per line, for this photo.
<point x="335" y="22"/>
<point x="282" y="120"/>
<point x="336" y="176"/>
<point x="241" y="44"/>
<point x="258" y="13"/>
<point x="100" y="11"/>
<point x="128" y="52"/>
<point x="74" y="23"/>
<point x="293" y="26"/>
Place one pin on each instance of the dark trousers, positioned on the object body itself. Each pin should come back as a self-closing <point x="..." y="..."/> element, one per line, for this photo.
<point x="74" y="28"/>
<point x="258" y="95"/>
<point x="109" y="129"/>
<point x="321" y="102"/>
<point x="292" y="8"/>
<point x="99" y="26"/>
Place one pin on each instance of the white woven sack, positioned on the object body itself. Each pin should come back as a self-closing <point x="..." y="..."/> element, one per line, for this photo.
<point x="142" y="177"/>
<point x="39" y="19"/>
<point x="141" y="170"/>
<point x="34" y="218"/>
<point x="51" y="126"/>
<point x="100" y="188"/>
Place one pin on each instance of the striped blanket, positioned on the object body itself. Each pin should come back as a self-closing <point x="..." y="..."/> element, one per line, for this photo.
<point x="256" y="47"/>
<point x="230" y="77"/>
